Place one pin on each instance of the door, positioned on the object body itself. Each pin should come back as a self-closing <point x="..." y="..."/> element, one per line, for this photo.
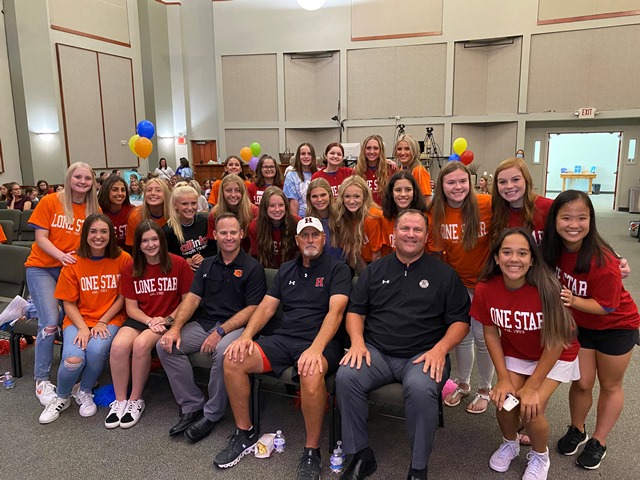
<point x="202" y="152"/>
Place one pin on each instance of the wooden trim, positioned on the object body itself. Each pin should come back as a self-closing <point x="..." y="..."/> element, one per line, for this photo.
<point x="395" y="36"/>
<point x="104" y="134"/>
<point x="1" y="159"/>
<point x="89" y="35"/>
<point x="583" y="18"/>
<point x="64" y="110"/>
<point x="169" y="3"/>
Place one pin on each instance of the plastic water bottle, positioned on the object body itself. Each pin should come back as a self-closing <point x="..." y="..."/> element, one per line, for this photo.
<point x="339" y="448"/>
<point x="9" y="382"/>
<point x="279" y="442"/>
<point x="336" y="461"/>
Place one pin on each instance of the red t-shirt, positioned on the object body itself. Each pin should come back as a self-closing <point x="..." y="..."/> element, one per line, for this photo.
<point x="93" y="285"/>
<point x="540" y="213"/>
<point x="518" y="315"/>
<point x="335" y="179"/>
<point x="604" y="285"/>
<point x="467" y="263"/>
<point x="255" y="193"/>
<point x="158" y="294"/>
<point x="119" y="221"/>
<point x="371" y="177"/>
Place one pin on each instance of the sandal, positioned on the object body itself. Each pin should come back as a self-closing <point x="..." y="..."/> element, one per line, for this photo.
<point x="456" y="397"/>
<point x="480" y="397"/>
<point x="524" y="438"/>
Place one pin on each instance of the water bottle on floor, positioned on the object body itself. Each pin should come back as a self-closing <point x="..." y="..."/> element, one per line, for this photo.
<point x="9" y="382"/>
<point x="279" y="442"/>
<point x="336" y="462"/>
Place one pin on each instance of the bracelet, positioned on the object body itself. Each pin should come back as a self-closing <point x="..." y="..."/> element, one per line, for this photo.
<point x="104" y="323"/>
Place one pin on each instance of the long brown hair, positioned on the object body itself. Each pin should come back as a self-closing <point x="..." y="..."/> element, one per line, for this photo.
<point x="297" y="164"/>
<point x="243" y="210"/>
<point x="501" y="208"/>
<point x="470" y="210"/>
<point x="558" y="326"/>
<point x="277" y="180"/>
<point x="265" y="226"/>
<point x="140" y="259"/>
<point x="311" y="210"/>
<point x="105" y="191"/>
<point x="382" y="172"/>
<point x="112" y="250"/>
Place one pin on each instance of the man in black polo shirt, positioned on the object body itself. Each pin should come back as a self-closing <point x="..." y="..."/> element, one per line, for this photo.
<point x="407" y="312"/>
<point x="226" y="290"/>
<point x="314" y="290"/>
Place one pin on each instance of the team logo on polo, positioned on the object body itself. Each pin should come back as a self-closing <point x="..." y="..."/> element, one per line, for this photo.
<point x="292" y="282"/>
<point x="424" y="283"/>
<point x="320" y="282"/>
<point x="237" y="273"/>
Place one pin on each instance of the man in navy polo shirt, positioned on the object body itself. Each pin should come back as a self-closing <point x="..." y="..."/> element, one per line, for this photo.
<point x="407" y="311"/>
<point x="314" y="290"/>
<point x="226" y="290"/>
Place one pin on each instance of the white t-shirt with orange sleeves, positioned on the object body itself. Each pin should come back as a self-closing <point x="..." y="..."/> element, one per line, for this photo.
<point x="467" y="263"/>
<point x="93" y="285"/>
<point x="135" y="217"/>
<point x="49" y="215"/>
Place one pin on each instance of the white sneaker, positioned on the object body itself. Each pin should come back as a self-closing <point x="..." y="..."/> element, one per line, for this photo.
<point x="538" y="467"/>
<point x="132" y="413"/>
<point x="45" y="392"/>
<point x="88" y="407"/>
<point x="116" y="413"/>
<point x="502" y="457"/>
<point x="52" y="411"/>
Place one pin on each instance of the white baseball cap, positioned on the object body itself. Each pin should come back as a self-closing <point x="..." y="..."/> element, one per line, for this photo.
<point x="309" y="222"/>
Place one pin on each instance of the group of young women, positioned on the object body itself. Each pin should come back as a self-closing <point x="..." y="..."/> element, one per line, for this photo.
<point x="534" y="268"/>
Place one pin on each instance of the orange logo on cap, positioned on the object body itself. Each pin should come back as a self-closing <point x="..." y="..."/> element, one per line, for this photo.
<point x="237" y="273"/>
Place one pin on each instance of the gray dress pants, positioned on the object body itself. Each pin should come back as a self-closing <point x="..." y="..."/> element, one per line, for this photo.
<point x="420" y="401"/>
<point x="180" y="372"/>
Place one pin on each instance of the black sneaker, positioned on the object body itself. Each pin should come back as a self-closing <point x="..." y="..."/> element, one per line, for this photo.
<point x="310" y="465"/>
<point x="592" y="455"/>
<point x="569" y="444"/>
<point x="240" y="443"/>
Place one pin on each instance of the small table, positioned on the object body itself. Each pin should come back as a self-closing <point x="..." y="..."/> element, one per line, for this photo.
<point x="587" y="175"/>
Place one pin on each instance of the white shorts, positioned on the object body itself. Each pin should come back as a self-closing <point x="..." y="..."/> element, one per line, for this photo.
<point x="562" y="371"/>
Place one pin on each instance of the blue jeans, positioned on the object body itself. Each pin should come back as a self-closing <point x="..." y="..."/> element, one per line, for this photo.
<point x="42" y="285"/>
<point x="93" y="360"/>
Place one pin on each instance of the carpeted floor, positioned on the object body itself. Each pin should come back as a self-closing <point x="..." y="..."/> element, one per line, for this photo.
<point x="75" y="447"/>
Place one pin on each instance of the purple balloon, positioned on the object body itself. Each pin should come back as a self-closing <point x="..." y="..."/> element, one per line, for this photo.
<point x="253" y="163"/>
<point x="454" y="157"/>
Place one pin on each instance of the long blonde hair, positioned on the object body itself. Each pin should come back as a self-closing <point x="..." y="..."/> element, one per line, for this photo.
<point x="66" y="196"/>
<point x="243" y="210"/>
<point x="166" y="204"/>
<point x="311" y="210"/>
<point x="413" y="147"/>
<point x="382" y="173"/>
<point x="348" y="227"/>
<point x="174" y="221"/>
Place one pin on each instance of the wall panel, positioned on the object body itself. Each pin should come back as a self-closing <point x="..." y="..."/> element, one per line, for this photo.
<point x="101" y="19"/>
<point x="267" y="138"/>
<point x="384" y="19"/>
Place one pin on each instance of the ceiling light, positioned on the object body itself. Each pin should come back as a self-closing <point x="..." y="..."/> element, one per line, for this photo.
<point x="311" y="4"/>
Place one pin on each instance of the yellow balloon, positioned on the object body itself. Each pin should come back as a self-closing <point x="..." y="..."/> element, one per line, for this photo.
<point x="245" y="154"/>
<point x="459" y="145"/>
<point x="132" y="144"/>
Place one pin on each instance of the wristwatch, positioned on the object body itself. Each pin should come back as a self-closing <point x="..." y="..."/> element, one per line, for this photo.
<point x="169" y="319"/>
<point x="221" y="331"/>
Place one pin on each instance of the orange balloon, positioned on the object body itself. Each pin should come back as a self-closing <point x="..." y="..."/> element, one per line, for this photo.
<point x="143" y="147"/>
<point x="245" y="154"/>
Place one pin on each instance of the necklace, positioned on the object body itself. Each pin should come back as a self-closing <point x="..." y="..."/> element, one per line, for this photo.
<point x="192" y="222"/>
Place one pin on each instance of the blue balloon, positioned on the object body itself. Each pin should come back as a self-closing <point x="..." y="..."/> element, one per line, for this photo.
<point x="146" y="129"/>
<point x="454" y="157"/>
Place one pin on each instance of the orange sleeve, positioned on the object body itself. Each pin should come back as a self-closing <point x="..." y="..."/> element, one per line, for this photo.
<point x="3" y="237"/>
<point x="423" y="179"/>
<point x="213" y="195"/>
<point x="135" y="217"/>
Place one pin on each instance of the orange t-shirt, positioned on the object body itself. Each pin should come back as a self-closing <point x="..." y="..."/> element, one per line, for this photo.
<point x="135" y="217"/>
<point x="467" y="263"/>
<point x="423" y="179"/>
<point x="215" y="191"/>
<point x="371" y="234"/>
<point x="93" y="285"/>
<point x="3" y="237"/>
<point x="49" y="215"/>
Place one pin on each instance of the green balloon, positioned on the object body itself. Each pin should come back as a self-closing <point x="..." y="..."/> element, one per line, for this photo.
<point x="255" y="149"/>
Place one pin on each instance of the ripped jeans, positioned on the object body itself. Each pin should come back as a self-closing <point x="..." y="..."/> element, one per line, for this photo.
<point x="42" y="285"/>
<point x="90" y="368"/>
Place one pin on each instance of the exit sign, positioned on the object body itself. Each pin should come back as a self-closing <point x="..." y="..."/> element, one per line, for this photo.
<point x="587" y="112"/>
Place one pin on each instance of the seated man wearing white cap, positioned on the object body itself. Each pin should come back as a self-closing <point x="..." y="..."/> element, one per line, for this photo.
<point x="314" y="290"/>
